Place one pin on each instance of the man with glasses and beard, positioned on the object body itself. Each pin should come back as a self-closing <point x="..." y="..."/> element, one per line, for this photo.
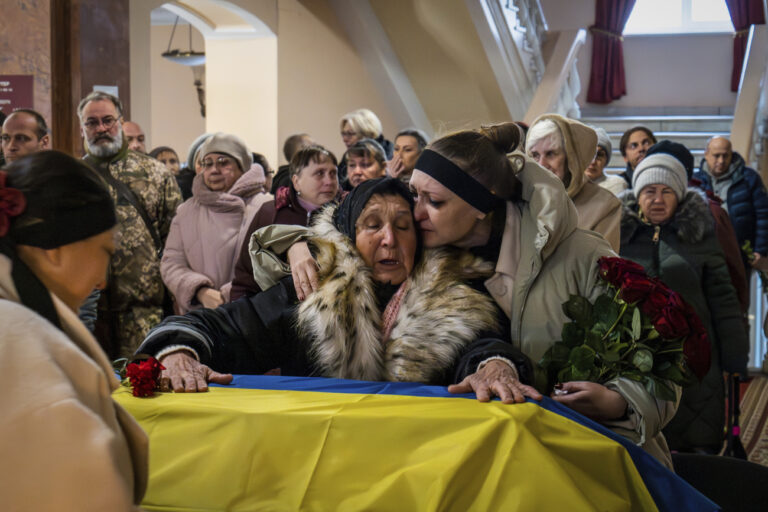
<point x="146" y="196"/>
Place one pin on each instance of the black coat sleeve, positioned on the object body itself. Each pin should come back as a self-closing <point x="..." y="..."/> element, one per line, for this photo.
<point x="249" y="336"/>
<point x="486" y="347"/>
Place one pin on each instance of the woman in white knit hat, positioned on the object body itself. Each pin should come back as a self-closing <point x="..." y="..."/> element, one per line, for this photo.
<point x="668" y="228"/>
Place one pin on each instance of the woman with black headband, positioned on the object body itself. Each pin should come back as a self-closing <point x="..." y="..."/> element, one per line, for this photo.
<point x="382" y="313"/>
<point x="66" y="444"/>
<point x="475" y="190"/>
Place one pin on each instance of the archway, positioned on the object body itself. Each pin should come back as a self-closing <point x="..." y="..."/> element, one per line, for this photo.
<point x="240" y="70"/>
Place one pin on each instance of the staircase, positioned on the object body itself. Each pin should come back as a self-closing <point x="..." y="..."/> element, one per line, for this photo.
<point x="693" y="131"/>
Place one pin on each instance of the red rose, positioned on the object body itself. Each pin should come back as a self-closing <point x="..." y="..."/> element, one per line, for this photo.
<point x="636" y="287"/>
<point x="697" y="353"/>
<point x="671" y="323"/>
<point x="614" y="270"/>
<point x="656" y="300"/>
<point x="143" y="376"/>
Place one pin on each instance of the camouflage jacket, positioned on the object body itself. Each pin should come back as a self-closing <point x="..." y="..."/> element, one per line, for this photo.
<point x="134" y="273"/>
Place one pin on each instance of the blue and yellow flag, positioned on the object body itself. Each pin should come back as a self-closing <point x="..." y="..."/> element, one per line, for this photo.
<point x="288" y="443"/>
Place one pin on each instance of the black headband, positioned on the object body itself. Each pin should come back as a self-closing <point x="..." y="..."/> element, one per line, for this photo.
<point x="457" y="181"/>
<point x="67" y="226"/>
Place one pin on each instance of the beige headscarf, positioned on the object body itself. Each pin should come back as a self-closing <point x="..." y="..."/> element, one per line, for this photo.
<point x="579" y="143"/>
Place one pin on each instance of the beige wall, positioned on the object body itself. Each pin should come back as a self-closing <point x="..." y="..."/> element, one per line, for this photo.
<point x="241" y="82"/>
<point x="320" y="76"/>
<point x="661" y="71"/>
<point x="174" y="118"/>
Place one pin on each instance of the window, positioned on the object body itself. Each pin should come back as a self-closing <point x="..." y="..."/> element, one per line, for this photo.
<point x="678" y="17"/>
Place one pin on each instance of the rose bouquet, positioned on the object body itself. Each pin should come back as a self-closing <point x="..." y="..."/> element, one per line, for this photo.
<point x="638" y="329"/>
<point x="141" y="376"/>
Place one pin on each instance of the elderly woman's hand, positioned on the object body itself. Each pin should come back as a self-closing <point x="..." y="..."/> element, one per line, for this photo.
<point x="592" y="400"/>
<point x="303" y="269"/>
<point x="209" y="297"/>
<point x="185" y="374"/>
<point x="496" y="379"/>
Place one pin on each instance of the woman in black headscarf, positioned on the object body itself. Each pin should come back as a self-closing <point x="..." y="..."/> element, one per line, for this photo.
<point x="60" y="429"/>
<point x="381" y="311"/>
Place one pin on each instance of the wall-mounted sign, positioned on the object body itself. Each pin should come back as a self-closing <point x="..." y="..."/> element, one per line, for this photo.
<point x="16" y="91"/>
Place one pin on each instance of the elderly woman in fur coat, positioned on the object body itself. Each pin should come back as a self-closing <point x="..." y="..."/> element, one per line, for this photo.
<point x="669" y="230"/>
<point x="381" y="312"/>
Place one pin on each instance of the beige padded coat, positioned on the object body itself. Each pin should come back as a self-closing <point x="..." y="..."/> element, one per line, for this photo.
<point x="599" y="210"/>
<point x="67" y="446"/>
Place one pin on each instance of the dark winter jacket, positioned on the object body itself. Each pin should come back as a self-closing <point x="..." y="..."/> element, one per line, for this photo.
<point x="747" y="203"/>
<point x="284" y="209"/>
<point x="441" y="333"/>
<point x="685" y="254"/>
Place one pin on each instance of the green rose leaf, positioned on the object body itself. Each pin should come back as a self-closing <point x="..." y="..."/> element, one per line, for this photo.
<point x="577" y="374"/>
<point x="573" y="334"/>
<point x="594" y="340"/>
<point x="606" y="311"/>
<point x="637" y="324"/>
<point x="579" y="310"/>
<point x="582" y="358"/>
<point x="643" y="360"/>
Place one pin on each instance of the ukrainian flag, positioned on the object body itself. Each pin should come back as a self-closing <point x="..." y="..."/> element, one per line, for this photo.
<point x="288" y="443"/>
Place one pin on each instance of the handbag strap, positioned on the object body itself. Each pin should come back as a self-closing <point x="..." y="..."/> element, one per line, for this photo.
<point x="129" y="195"/>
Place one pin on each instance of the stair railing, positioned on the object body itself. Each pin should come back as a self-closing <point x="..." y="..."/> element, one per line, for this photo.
<point x="560" y="85"/>
<point x="751" y="104"/>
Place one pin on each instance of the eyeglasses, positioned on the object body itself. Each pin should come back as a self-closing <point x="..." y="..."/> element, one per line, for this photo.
<point x="601" y="155"/>
<point x="108" y="122"/>
<point x="348" y="134"/>
<point x="222" y="162"/>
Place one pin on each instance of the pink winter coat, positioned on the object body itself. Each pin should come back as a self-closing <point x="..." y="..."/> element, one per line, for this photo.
<point x="205" y="236"/>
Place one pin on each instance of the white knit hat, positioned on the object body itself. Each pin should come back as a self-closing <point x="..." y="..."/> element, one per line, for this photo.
<point x="660" y="169"/>
<point x="603" y="140"/>
<point x="228" y="144"/>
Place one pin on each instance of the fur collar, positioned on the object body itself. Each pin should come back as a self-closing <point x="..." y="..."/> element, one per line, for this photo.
<point x="438" y="317"/>
<point x="692" y="220"/>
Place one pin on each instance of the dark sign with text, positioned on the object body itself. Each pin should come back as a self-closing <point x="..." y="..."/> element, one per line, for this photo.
<point x="16" y="91"/>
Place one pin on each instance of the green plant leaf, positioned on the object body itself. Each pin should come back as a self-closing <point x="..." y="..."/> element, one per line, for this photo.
<point x="577" y="374"/>
<point x="610" y="356"/>
<point x="606" y="310"/>
<point x="653" y="334"/>
<point x="573" y="334"/>
<point x="594" y="340"/>
<point x="579" y="310"/>
<point x="582" y="358"/>
<point x="637" y="324"/>
<point x="643" y="360"/>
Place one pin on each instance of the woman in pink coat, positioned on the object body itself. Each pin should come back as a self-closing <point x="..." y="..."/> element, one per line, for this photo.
<point x="201" y="250"/>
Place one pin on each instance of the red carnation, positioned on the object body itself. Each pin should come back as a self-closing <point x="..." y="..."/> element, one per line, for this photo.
<point x="143" y="376"/>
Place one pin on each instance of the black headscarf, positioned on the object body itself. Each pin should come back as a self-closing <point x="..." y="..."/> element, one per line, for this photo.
<point x="352" y="206"/>
<point x="65" y="202"/>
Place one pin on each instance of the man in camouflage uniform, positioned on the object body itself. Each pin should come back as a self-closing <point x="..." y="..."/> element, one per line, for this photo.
<point x="132" y="303"/>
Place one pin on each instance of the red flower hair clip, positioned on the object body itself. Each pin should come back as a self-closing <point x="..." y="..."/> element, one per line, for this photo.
<point x="12" y="203"/>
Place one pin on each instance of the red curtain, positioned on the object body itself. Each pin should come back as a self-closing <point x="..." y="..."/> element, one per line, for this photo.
<point x="606" y="81"/>
<point x="744" y="13"/>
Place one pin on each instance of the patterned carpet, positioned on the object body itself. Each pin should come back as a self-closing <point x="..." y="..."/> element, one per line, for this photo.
<point x="754" y="420"/>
